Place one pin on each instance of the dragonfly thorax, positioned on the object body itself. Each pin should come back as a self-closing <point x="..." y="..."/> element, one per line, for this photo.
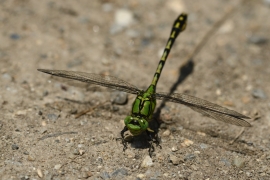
<point x="142" y="111"/>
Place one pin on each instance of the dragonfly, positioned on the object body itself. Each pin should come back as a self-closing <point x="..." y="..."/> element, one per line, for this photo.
<point x="144" y="105"/>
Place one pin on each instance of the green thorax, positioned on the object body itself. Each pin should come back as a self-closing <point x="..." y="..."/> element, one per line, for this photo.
<point x="144" y="104"/>
<point x="142" y="111"/>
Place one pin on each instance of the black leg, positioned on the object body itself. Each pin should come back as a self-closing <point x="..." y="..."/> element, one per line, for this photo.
<point x="154" y="139"/>
<point x="122" y="138"/>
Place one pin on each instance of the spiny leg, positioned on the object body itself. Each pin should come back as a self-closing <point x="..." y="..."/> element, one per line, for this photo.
<point x="154" y="139"/>
<point x="124" y="142"/>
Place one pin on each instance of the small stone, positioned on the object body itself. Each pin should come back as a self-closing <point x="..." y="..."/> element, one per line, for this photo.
<point x="121" y="171"/>
<point x="87" y="174"/>
<point x="203" y="146"/>
<point x="20" y="113"/>
<point x="187" y="143"/>
<point x="228" y="103"/>
<point x="57" y="166"/>
<point x="52" y="117"/>
<point x="259" y="40"/>
<point x="71" y="156"/>
<point x="201" y="133"/>
<point x="39" y="172"/>
<point x="130" y="154"/>
<point x="175" y="160"/>
<point x="166" y="133"/>
<point x="258" y="93"/>
<point x="194" y="167"/>
<point x="119" y="97"/>
<point x="105" y="175"/>
<point x="147" y="162"/>
<point x="76" y="152"/>
<point x="31" y="158"/>
<point x="14" y="147"/>
<point x="226" y="162"/>
<point x="123" y="17"/>
<point x="141" y="176"/>
<point x="107" y="7"/>
<point x="81" y="151"/>
<point x="40" y="113"/>
<point x="15" y="36"/>
<point x="174" y="148"/>
<point x="176" y="5"/>
<point x="239" y="162"/>
<point x="160" y="157"/>
<point x="189" y="157"/>
<point x="99" y="160"/>
<point x="43" y="130"/>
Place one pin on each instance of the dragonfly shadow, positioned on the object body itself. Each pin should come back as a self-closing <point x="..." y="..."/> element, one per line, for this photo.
<point x="184" y="71"/>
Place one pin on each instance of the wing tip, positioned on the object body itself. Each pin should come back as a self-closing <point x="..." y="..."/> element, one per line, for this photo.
<point x="47" y="71"/>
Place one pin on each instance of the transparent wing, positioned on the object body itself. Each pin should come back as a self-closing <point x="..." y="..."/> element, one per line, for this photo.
<point x="206" y="108"/>
<point x="102" y="80"/>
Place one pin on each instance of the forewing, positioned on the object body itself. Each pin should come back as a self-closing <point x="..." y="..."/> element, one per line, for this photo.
<point x="102" y="80"/>
<point x="206" y="108"/>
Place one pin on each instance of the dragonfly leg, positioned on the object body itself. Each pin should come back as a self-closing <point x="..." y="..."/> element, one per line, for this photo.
<point x="153" y="139"/>
<point x="124" y="142"/>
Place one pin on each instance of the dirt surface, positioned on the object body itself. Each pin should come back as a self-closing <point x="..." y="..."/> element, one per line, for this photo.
<point x="42" y="139"/>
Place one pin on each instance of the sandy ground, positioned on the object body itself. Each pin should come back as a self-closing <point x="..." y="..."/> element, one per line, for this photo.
<point x="42" y="139"/>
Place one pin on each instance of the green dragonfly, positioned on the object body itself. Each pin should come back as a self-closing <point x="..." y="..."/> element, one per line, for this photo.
<point x="144" y="105"/>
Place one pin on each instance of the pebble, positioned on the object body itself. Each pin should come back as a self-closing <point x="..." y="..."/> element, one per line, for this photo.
<point x="259" y="40"/>
<point x="87" y="174"/>
<point x="226" y="27"/>
<point x="119" y="97"/>
<point x="7" y="77"/>
<point x="130" y="154"/>
<point x="31" y="158"/>
<point x="76" y="152"/>
<point x="107" y="7"/>
<point x="57" y="166"/>
<point x="147" y="162"/>
<point x="99" y="160"/>
<point x="123" y="17"/>
<point x="258" y="93"/>
<point x="189" y="157"/>
<point x="141" y="176"/>
<point x="175" y="160"/>
<point x="43" y="130"/>
<point x="226" y="162"/>
<point x="174" y="148"/>
<point x="15" y="36"/>
<point x="201" y="133"/>
<point x="187" y="143"/>
<point x="176" y="5"/>
<point x="39" y="172"/>
<point x="40" y="113"/>
<point x="166" y="133"/>
<point x="239" y="162"/>
<point x="121" y="171"/>
<point x="14" y="147"/>
<point x="105" y="175"/>
<point x="81" y="151"/>
<point x="20" y="113"/>
<point x="52" y="117"/>
<point x="203" y="146"/>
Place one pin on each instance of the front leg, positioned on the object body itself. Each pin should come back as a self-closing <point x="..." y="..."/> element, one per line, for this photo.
<point x="154" y="139"/>
<point x="124" y="142"/>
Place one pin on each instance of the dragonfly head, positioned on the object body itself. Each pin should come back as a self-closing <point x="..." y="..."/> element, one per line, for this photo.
<point x="136" y="125"/>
